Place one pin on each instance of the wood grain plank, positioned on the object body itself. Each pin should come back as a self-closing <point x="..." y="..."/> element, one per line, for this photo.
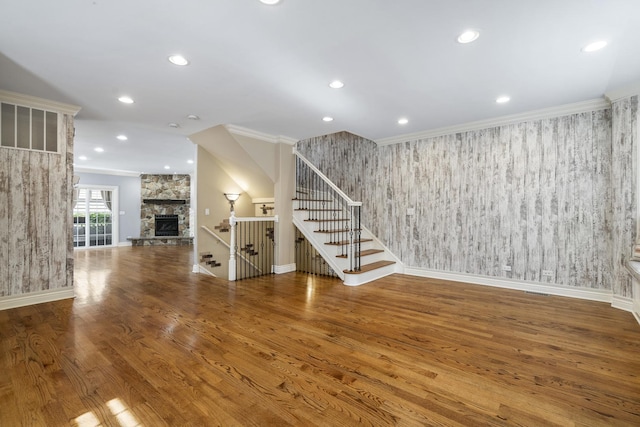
<point x="5" y="159"/>
<point x="39" y="221"/>
<point x="19" y="211"/>
<point x="59" y="195"/>
<point x="602" y="198"/>
<point x="549" y="200"/>
<point x="517" y="203"/>
<point x="533" y="202"/>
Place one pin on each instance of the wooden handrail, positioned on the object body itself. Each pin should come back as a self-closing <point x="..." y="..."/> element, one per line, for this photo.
<point x="213" y="233"/>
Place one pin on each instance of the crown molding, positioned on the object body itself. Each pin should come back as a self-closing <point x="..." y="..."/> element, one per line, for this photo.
<point x="624" y="92"/>
<point x="107" y="171"/>
<point x="33" y="102"/>
<point x="250" y="133"/>
<point x="545" y="113"/>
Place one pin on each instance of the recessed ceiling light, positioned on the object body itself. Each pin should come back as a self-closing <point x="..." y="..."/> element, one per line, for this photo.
<point x="125" y="100"/>
<point x="122" y="137"/>
<point x="336" y="84"/>
<point x="270" y="2"/>
<point x="503" y="99"/>
<point x="327" y="119"/>
<point x="167" y="167"/>
<point x="178" y="60"/>
<point x="193" y="117"/>
<point x="82" y="157"/>
<point x="403" y="121"/>
<point x="98" y="150"/>
<point x="190" y="161"/>
<point x="468" y="36"/>
<point x="173" y="125"/>
<point x="592" y="47"/>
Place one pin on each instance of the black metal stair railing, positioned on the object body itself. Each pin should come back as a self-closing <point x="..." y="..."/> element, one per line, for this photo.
<point x="309" y="260"/>
<point x="336" y="214"/>
<point x="252" y="246"/>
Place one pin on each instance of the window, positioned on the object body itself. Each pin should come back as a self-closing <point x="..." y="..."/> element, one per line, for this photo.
<point x="94" y="223"/>
<point x="28" y="128"/>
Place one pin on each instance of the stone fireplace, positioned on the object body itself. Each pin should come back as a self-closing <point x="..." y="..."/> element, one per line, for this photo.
<point x="164" y="211"/>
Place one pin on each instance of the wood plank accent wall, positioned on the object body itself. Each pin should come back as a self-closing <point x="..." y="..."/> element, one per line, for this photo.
<point x="36" y="250"/>
<point x="554" y="194"/>
<point x="624" y="177"/>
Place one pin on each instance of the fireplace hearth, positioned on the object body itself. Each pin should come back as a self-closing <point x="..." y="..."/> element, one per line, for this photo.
<point x="166" y="225"/>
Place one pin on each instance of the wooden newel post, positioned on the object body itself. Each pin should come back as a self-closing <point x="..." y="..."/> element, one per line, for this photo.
<point x="232" y="249"/>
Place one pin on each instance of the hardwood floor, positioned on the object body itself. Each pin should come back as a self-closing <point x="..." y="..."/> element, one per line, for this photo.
<point x="146" y="342"/>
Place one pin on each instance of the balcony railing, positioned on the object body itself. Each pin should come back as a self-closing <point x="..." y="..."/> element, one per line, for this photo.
<point x="253" y="243"/>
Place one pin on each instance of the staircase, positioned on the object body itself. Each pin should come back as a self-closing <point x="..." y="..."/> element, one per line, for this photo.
<point x="330" y="220"/>
<point x="207" y="258"/>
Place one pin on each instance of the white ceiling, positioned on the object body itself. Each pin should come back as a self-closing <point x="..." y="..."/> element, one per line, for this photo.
<point x="267" y="68"/>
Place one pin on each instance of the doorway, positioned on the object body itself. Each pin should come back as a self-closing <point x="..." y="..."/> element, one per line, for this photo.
<point x="95" y="219"/>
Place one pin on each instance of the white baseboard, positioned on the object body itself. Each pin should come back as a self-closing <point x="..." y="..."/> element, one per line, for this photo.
<point x="635" y="307"/>
<point x="124" y="244"/>
<point x="282" y="269"/>
<point x="564" y="291"/>
<point x="201" y="270"/>
<point x="622" y="303"/>
<point x="627" y="304"/>
<point x="23" y="300"/>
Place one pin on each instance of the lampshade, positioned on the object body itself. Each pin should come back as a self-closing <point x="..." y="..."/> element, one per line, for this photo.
<point x="232" y="197"/>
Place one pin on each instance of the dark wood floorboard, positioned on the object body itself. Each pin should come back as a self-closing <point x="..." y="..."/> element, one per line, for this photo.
<point x="146" y="342"/>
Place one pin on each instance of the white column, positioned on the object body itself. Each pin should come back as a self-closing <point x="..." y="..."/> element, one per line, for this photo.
<point x="232" y="250"/>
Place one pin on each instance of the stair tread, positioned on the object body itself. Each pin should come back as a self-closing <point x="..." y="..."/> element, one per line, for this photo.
<point x="327" y="220"/>
<point x="370" y="267"/>
<point x="344" y="230"/>
<point x="318" y="210"/>
<point x="364" y="253"/>
<point x="346" y="242"/>
<point x="312" y="200"/>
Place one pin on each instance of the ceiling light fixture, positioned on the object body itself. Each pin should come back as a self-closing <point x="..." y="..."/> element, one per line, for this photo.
<point x="592" y="47"/>
<point x="167" y="167"/>
<point x="190" y="161"/>
<point x="336" y="84"/>
<point x="327" y="119"/>
<point x="178" y="60"/>
<point x="503" y="99"/>
<point x="99" y="150"/>
<point x="122" y="137"/>
<point x="193" y="117"/>
<point x="126" y="100"/>
<point x="173" y="125"/>
<point x="270" y="2"/>
<point x="468" y="36"/>
<point x="403" y="121"/>
<point x="82" y="157"/>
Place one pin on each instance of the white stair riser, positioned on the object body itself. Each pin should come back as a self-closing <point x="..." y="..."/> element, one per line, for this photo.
<point x="369" y="276"/>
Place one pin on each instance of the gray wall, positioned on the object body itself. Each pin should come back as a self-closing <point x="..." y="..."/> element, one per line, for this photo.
<point x="555" y="194"/>
<point x="129" y="191"/>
